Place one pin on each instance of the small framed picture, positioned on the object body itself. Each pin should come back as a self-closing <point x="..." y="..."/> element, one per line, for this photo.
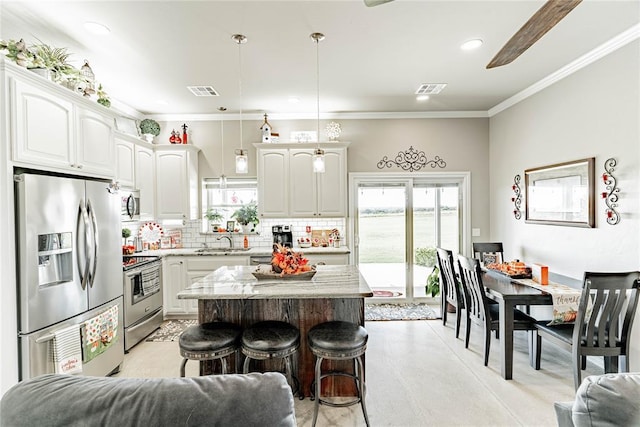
<point x="231" y="225"/>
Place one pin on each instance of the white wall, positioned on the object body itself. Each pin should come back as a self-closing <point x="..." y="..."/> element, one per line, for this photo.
<point x="462" y="142"/>
<point x="592" y="113"/>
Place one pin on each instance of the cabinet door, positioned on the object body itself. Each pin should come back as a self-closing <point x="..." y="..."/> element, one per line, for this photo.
<point x="43" y="127"/>
<point x="333" y="259"/>
<point x="332" y="184"/>
<point x="273" y="183"/>
<point x="145" y="180"/>
<point x="171" y="185"/>
<point x="125" y="161"/>
<point x="95" y="143"/>
<point x="302" y="190"/>
<point x="173" y="280"/>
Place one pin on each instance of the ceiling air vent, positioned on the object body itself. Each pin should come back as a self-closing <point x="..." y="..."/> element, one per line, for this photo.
<point x="203" y="90"/>
<point x="430" y="88"/>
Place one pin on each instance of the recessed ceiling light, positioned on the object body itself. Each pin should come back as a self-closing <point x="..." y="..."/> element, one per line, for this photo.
<point x="422" y="97"/>
<point x="294" y="99"/>
<point x="471" y="44"/>
<point x="97" y="28"/>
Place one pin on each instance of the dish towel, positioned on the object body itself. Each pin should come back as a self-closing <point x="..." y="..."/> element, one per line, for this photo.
<point x="100" y="332"/>
<point x="150" y="282"/>
<point x="66" y="350"/>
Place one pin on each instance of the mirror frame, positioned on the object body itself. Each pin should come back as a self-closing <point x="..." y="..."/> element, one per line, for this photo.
<point x="583" y="168"/>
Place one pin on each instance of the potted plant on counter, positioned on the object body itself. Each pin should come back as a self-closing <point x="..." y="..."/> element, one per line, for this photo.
<point x="246" y="215"/>
<point x="149" y="128"/>
<point x="215" y="217"/>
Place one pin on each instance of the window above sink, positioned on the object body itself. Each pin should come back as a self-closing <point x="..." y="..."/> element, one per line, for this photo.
<point x="226" y="199"/>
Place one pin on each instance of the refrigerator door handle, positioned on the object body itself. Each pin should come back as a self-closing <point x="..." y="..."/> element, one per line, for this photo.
<point x="83" y="269"/>
<point x="45" y="338"/>
<point x="96" y="244"/>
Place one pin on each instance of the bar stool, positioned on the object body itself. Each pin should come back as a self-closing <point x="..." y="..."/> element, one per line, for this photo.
<point x="272" y="339"/>
<point x="338" y="340"/>
<point x="210" y="341"/>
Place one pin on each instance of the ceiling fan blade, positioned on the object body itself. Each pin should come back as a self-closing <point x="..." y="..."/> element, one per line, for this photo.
<point x="537" y="26"/>
<point x="371" y="3"/>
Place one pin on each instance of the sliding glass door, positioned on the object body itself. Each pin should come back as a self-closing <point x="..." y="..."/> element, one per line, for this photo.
<point x="398" y="221"/>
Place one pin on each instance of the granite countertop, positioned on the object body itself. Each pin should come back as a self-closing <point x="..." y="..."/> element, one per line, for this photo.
<point x="237" y="282"/>
<point x="265" y="251"/>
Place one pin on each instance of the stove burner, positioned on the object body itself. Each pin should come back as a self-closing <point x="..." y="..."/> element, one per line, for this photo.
<point x="129" y="262"/>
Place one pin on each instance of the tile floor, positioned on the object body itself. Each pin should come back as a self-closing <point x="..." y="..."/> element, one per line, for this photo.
<point x="419" y="374"/>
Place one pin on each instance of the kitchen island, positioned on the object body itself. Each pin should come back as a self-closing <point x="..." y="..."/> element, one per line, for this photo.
<point x="233" y="294"/>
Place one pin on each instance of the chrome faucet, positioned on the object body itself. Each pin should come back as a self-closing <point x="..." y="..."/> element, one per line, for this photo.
<point x="229" y="239"/>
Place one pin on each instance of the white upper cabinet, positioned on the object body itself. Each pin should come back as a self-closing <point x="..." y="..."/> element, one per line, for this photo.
<point x="145" y="179"/>
<point x="177" y="182"/>
<point x="273" y="179"/>
<point x="288" y="187"/>
<point x="55" y="129"/>
<point x="125" y="162"/>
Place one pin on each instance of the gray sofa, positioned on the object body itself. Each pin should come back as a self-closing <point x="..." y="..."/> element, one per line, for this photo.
<point x="217" y="400"/>
<point x="603" y="400"/>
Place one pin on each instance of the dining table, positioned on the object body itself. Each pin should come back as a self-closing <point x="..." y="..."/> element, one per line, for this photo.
<point x="509" y="293"/>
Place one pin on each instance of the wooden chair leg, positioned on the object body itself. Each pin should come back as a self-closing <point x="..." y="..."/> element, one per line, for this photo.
<point x="458" y="317"/>
<point x="535" y="349"/>
<point x="577" y="371"/>
<point x="487" y="345"/>
<point x="467" y="333"/>
<point x="443" y="309"/>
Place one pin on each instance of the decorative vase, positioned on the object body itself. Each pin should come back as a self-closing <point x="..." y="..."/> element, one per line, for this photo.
<point x="148" y="137"/>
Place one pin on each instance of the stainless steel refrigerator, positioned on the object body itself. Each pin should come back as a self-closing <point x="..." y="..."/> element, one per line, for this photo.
<point x="69" y="276"/>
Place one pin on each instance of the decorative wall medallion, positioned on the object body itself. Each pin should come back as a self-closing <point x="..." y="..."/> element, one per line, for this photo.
<point x="611" y="195"/>
<point x="517" y="197"/>
<point x="411" y="160"/>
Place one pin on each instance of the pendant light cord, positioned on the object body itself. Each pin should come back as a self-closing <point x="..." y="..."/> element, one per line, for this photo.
<point x="240" y="86"/>
<point x="318" y="90"/>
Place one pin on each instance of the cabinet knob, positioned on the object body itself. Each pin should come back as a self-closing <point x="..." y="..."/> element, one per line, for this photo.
<point x="79" y="166"/>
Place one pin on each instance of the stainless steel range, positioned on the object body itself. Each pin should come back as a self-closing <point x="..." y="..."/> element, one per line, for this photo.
<point x="142" y="298"/>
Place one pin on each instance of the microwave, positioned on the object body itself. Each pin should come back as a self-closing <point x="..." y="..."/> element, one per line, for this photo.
<point x="130" y="207"/>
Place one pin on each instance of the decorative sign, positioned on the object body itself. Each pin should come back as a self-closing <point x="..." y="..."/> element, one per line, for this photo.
<point x="611" y="195"/>
<point x="411" y="160"/>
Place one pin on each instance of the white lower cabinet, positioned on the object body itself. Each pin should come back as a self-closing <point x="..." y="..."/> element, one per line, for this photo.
<point x="328" y="259"/>
<point x="179" y="272"/>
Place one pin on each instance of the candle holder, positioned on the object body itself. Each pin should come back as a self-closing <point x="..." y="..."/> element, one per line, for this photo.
<point x="610" y="196"/>
<point x="517" y="197"/>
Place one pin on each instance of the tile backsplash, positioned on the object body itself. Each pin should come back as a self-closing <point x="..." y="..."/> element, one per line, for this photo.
<point x="193" y="237"/>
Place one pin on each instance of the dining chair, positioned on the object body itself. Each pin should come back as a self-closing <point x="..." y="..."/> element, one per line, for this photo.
<point x="480" y="311"/>
<point x="488" y="252"/>
<point x="451" y="289"/>
<point x="602" y="325"/>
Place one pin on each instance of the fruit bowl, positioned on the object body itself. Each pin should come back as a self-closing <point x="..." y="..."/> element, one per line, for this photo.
<point x="265" y="272"/>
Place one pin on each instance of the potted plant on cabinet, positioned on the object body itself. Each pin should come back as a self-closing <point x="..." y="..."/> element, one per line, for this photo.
<point x="247" y="214"/>
<point x="214" y="216"/>
<point x="149" y="129"/>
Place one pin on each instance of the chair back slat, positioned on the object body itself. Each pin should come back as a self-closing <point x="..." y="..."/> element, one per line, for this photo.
<point x="473" y="289"/>
<point x="605" y="323"/>
<point x="451" y="289"/>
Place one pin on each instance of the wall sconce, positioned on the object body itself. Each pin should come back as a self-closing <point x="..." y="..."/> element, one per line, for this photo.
<point x="611" y="195"/>
<point x="242" y="161"/>
<point x="517" y="197"/>
<point x="318" y="160"/>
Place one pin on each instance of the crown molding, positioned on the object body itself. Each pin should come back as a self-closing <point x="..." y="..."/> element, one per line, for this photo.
<point x="601" y="51"/>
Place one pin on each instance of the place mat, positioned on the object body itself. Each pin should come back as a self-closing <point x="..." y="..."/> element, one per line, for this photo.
<point x="565" y="300"/>
<point x="375" y="312"/>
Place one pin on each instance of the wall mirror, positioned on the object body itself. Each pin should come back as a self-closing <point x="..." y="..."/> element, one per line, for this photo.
<point x="561" y="194"/>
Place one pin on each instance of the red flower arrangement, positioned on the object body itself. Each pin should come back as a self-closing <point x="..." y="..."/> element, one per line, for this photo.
<point x="286" y="261"/>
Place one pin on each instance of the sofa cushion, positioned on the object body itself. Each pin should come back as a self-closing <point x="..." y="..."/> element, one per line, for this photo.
<point x="608" y="400"/>
<point x="564" y="411"/>
<point x="217" y="400"/>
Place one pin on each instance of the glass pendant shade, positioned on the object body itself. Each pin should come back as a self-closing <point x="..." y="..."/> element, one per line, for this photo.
<point x="222" y="182"/>
<point x="242" y="161"/>
<point x="318" y="161"/>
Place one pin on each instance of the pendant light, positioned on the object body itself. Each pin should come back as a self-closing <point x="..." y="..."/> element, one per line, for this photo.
<point x="223" y="178"/>
<point x="318" y="154"/>
<point x="242" y="160"/>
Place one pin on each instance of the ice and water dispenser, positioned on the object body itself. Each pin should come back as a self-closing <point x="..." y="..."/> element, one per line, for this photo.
<point x="55" y="258"/>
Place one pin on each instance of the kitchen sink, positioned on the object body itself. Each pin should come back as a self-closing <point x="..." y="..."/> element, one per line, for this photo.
<point x="221" y="250"/>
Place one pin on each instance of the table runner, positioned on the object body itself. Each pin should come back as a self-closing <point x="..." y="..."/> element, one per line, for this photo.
<point x="565" y="300"/>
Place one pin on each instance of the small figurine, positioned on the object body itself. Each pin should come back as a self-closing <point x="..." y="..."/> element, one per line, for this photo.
<point x="175" y="137"/>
